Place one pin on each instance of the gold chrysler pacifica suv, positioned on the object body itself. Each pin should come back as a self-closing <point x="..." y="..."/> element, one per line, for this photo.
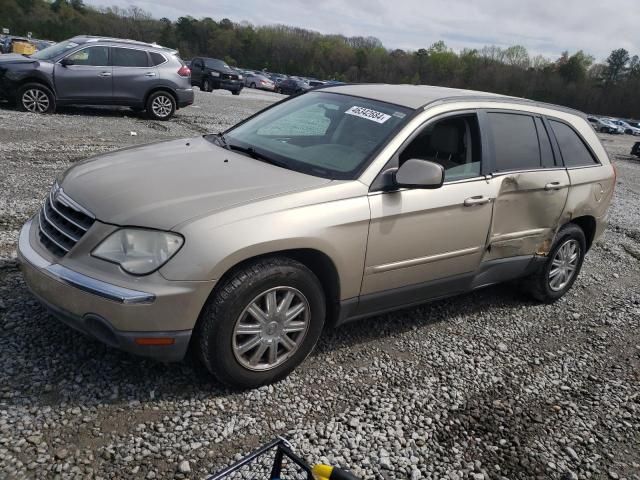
<point x="334" y="205"/>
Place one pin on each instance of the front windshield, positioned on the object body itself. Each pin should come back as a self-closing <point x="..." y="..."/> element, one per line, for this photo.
<point x="53" y="51"/>
<point x="324" y="134"/>
<point x="215" y="64"/>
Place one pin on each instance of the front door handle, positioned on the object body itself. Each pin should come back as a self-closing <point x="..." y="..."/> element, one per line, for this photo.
<point x="477" y="200"/>
<point x="104" y="74"/>
<point x="553" y="186"/>
<point x="150" y="74"/>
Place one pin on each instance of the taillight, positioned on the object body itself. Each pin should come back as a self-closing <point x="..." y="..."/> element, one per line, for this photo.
<point x="184" y="71"/>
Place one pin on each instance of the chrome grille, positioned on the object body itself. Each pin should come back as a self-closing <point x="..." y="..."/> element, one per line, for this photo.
<point x="62" y="222"/>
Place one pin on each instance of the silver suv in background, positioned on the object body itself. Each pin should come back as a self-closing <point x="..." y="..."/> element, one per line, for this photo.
<point x="98" y="71"/>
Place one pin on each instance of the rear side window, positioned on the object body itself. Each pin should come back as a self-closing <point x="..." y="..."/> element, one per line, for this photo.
<point x="128" y="57"/>
<point x="574" y="152"/>
<point x="157" y="59"/>
<point x="515" y="141"/>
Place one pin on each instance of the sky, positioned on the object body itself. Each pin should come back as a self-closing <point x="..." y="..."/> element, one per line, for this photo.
<point x="546" y="27"/>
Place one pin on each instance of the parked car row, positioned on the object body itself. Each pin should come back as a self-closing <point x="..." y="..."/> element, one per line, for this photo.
<point x="88" y="70"/>
<point x="614" y="125"/>
<point x="281" y="83"/>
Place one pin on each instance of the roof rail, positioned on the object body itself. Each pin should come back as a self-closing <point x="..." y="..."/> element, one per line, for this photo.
<point x="92" y="39"/>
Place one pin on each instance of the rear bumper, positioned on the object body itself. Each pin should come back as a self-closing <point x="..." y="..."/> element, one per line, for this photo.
<point x="185" y="97"/>
<point x="97" y="308"/>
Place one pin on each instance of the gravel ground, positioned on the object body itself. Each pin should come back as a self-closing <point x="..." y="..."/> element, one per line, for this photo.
<point x="485" y="386"/>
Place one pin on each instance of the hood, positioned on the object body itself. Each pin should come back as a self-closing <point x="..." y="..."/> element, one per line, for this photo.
<point x="163" y="184"/>
<point x="15" y="58"/>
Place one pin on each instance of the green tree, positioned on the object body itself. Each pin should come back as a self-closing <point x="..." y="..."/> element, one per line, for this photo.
<point x="616" y="65"/>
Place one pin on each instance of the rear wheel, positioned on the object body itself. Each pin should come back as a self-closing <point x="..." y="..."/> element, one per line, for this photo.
<point x="236" y="92"/>
<point x="562" y="266"/>
<point x="253" y="85"/>
<point x="161" y="106"/>
<point x="35" y="98"/>
<point x="261" y="323"/>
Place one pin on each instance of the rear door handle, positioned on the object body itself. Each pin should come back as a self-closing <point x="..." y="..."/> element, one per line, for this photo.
<point x="104" y="74"/>
<point x="477" y="200"/>
<point x="553" y="186"/>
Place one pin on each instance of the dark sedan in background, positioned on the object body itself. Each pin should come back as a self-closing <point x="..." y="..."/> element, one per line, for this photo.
<point x="292" y="87"/>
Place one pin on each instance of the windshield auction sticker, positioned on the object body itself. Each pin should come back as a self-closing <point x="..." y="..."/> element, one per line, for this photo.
<point x="369" y="114"/>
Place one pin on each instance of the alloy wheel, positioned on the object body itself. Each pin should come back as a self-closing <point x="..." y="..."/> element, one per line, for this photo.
<point x="271" y="328"/>
<point x="35" y="100"/>
<point x="564" y="265"/>
<point x="162" y="106"/>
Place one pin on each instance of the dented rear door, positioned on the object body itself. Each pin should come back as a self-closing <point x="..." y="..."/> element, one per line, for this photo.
<point x="530" y="185"/>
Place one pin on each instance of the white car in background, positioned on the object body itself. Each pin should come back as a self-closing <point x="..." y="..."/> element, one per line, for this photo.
<point x="628" y="129"/>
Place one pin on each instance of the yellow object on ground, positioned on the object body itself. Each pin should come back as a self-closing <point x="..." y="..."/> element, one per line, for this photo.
<point x="322" y="472"/>
<point x="327" y="472"/>
<point x="24" y="48"/>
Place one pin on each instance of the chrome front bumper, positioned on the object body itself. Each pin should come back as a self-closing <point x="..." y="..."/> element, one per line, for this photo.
<point x="78" y="280"/>
<point x="131" y="320"/>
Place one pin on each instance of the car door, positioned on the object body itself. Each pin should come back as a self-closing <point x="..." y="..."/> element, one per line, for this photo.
<point x="425" y="243"/>
<point x="530" y="184"/>
<point x="133" y="75"/>
<point x="85" y="76"/>
<point x="197" y="67"/>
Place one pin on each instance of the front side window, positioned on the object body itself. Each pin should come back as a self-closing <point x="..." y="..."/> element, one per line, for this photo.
<point x="92" y="56"/>
<point x="128" y="57"/>
<point x="573" y="150"/>
<point x="53" y="51"/>
<point x="323" y="134"/>
<point x="454" y="143"/>
<point x="515" y="141"/>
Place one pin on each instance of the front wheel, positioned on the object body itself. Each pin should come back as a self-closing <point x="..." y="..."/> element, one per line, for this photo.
<point x="562" y="267"/>
<point x="261" y="323"/>
<point x="236" y="92"/>
<point x="161" y="106"/>
<point x="36" y="98"/>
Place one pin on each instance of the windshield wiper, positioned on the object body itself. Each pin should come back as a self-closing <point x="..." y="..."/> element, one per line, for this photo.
<point x="222" y="141"/>
<point x="250" y="151"/>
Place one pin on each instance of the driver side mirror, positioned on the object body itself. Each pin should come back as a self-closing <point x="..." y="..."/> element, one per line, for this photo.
<point x="65" y="62"/>
<point x="417" y="173"/>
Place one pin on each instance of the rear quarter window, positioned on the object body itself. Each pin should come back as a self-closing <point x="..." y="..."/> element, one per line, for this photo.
<point x="157" y="59"/>
<point x="572" y="148"/>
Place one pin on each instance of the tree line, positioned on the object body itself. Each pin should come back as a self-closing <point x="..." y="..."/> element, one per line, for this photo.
<point x="573" y="79"/>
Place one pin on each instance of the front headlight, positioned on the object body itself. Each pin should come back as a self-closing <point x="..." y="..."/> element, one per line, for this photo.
<point x="215" y="74"/>
<point x="139" y="251"/>
<point x="239" y="77"/>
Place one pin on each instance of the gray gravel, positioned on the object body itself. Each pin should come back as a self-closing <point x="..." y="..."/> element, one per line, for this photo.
<point x="485" y="386"/>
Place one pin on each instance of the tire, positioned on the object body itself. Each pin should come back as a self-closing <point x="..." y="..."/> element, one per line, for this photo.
<point x="204" y="86"/>
<point x="161" y="105"/>
<point x="236" y="92"/>
<point x="35" y="98"/>
<point x="253" y="85"/>
<point x="540" y="285"/>
<point x="219" y="346"/>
